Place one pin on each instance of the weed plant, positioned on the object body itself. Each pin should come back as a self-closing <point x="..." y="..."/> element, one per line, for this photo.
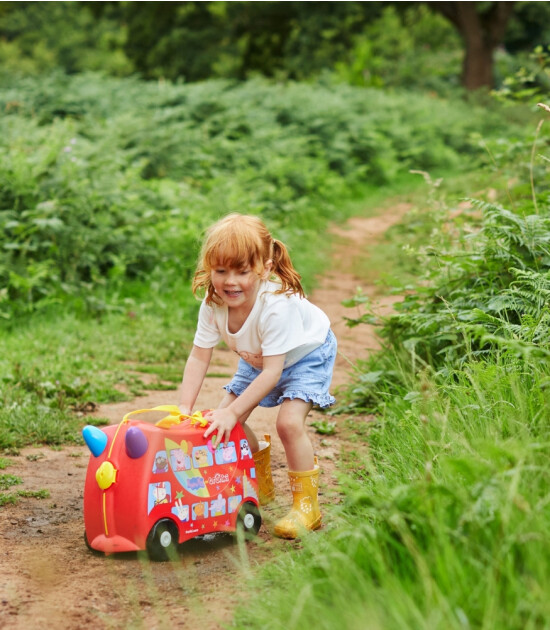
<point x="484" y="286"/>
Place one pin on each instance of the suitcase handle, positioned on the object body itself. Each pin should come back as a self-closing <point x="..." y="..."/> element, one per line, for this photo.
<point x="174" y="416"/>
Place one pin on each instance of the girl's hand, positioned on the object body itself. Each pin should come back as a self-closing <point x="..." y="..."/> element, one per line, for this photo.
<point x="222" y="421"/>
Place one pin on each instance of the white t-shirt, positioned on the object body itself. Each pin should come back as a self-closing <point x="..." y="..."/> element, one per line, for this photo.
<point x="278" y="324"/>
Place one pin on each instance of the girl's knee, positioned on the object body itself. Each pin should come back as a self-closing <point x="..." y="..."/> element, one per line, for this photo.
<point x="292" y="419"/>
<point x="290" y="426"/>
<point x="289" y="429"/>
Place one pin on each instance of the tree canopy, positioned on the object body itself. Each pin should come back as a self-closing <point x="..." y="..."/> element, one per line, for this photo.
<point x="374" y="43"/>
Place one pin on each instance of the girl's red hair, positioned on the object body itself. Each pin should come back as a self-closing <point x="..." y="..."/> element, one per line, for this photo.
<point x="243" y="241"/>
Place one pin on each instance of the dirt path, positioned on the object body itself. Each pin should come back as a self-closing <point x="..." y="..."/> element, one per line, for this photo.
<point x="48" y="578"/>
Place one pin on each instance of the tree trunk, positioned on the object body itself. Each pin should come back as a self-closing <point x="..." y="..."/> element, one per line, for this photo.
<point x="477" y="65"/>
<point x="481" y="32"/>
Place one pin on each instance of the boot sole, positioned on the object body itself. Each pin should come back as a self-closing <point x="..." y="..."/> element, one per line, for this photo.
<point x="287" y="535"/>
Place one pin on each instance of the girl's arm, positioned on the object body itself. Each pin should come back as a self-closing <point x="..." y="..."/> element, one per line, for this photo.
<point x="193" y="376"/>
<point x="223" y="420"/>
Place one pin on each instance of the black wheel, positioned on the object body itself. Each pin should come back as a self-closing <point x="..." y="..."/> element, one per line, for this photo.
<point x="162" y="542"/>
<point x="249" y="519"/>
<point x="94" y="551"/>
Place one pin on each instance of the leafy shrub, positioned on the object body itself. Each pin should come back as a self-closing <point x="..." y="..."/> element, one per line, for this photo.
<point x="489" y="289"/>
<point x="482" y="288"/>
<point x="104" y="181"/>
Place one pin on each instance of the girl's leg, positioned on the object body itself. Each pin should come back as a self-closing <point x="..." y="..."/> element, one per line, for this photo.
<point x="292" y="431"/>
<point x="303" y="473"/>
<point x="250" y="436"/>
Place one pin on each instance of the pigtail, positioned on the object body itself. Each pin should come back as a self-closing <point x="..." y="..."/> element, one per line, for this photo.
<point x="284" y="270"/>
<point x="201" y="287"/>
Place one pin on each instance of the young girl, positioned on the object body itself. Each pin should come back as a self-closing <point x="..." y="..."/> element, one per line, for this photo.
<point x="255" y="303"/>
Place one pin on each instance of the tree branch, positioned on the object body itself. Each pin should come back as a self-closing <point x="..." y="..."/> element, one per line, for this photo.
<point x="448" y="10"/>
<point x="495" y="21"/>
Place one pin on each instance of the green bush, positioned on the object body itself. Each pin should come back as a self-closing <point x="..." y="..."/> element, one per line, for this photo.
<point x="104" y="181"/>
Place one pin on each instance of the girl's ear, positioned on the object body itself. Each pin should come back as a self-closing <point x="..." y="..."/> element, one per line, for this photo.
<point x="267" y="269"/>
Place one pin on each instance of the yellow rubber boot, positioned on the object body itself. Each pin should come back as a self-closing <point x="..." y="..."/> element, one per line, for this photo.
<point x="305" y="513"/>
<point x="262" y="461"/>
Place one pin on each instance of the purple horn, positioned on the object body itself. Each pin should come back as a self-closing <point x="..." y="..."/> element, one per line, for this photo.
<point x="136" y="442"/>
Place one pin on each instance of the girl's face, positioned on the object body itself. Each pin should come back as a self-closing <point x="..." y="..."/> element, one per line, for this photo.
<point x="237" y="287"/>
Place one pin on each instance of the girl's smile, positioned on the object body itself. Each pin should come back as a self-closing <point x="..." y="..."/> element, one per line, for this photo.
<point x="236" y="287"/>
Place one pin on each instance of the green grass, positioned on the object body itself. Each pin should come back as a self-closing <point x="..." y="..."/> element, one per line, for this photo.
<point x="7" y="481"/>
<point x="54" y="366"/>
<point x="7" y="496"/>
<point x="444" y="508"/>
<point x="445" y="524"/>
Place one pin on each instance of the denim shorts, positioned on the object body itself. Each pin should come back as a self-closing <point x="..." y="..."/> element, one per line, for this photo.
<point x="308" y="379"/>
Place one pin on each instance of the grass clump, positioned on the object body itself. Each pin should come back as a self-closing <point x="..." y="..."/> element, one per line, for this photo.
<point x="442" y="526"/>
<point x="7" y="481"/>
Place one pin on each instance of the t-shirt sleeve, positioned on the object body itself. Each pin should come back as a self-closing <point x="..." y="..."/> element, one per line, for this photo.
<point x="207" y="334"/>
<point x="281" y="328"/>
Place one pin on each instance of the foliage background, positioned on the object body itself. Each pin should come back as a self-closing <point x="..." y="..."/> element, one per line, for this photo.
<point x="115" y="153"/>
<point x="383" y="44"/>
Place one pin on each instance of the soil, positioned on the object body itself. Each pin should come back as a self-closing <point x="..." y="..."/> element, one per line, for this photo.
<point x="49" y="578"/>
